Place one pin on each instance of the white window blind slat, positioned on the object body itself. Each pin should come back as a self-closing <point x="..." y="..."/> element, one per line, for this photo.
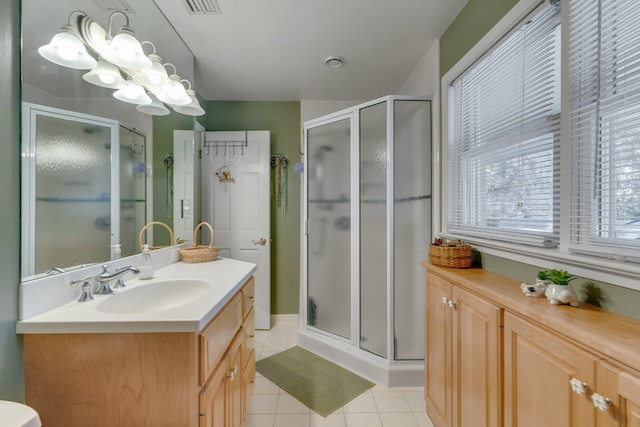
<point x="604" y="57"/>
<point x="504" y="135"/>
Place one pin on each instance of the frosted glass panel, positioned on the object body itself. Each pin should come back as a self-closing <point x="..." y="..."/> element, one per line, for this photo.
<point x="373" y="229"/>
<point x="412" y="223"/>
<point x="329" y="228"/>
<point x="73" y="193"/>
<point x="133" y="203"/>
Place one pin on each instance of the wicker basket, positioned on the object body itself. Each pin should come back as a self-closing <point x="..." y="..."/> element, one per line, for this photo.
<point x="200" y="253"/>
<point x="450" y="256"/>
<point x="149" y="225"/>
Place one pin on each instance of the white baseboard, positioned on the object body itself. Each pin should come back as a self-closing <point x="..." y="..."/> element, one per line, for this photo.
<point x="284" y="318"/>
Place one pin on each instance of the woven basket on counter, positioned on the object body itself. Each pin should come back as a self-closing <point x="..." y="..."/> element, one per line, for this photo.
<point x="458" y="256"/>
<point x="200" y="253"/>
<point x="140" y="241"/>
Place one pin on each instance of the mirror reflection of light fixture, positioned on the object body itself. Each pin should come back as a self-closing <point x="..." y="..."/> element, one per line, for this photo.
<point x="193" y="108"/>
<point x="173" y="92"/>
<point x="156" y="108"/>
<point x="105" y="74"/>
<point x="154" y="76"/>
<point x="125" y="50"/>
<point x="66" y="47"/>
<point x="121" y="65"/>
<point x="132" y="93"/>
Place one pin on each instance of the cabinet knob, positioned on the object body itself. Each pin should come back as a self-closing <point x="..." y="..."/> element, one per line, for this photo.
<point x="445" y="301"/>
<point x="451" y="304"/>
<point x="578" y="386"/>
<point x="600" y="402"/>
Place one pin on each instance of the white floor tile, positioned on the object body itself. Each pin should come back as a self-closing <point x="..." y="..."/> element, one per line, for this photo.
<point x="423" y="419"/>
<point x="415" y="399"/>
<point x="334" y="420"/>
<point x="264" y="386"/>
<point x="255" y="420"/>
<point x="391" y="401"/>
<point x="362" y="403"/>
<point x="292" y="420"/>
<point x="288" y="404"/>
<point x="363" y="420"/>
<point x="263" y="404"/>
<point x="398" y="419"/>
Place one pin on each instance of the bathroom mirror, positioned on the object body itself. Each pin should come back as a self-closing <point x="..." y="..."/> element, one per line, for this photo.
<point x="52" y="86"/>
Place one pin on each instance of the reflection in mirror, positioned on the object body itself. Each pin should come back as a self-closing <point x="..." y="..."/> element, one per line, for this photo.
<point x="69" y="218"/>
<point x="116" y="217"/>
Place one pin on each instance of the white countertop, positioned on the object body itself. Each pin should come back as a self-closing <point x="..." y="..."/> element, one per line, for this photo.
<point x="226" y="275"/>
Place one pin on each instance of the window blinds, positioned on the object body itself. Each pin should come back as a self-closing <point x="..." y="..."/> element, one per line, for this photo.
<point x="504" y="136"/>
<point x="604" y="55"/>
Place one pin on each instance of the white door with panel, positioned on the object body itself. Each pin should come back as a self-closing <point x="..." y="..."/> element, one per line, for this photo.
<point x="184" y="166"/>
<point x="235" y="201"/>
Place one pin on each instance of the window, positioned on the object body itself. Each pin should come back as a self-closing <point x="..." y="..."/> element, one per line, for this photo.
<point x="604" y="36"/>
<point x="504" y="137"/>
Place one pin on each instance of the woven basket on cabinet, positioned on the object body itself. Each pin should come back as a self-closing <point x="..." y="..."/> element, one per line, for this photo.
<point x="450" y="256"/>
<point x="141" y="235"/>
<point x="200" y="253"/>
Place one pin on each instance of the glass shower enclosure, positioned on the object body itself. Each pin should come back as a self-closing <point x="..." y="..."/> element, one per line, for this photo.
<point x="367" y="211"/>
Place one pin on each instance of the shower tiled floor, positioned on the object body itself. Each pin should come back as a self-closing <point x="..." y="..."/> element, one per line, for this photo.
<point x="271" y="406"/>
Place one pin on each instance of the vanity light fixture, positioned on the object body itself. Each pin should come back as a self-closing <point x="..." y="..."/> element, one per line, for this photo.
<point x="132" y="93"/>
<point x="122" y="65"/>
<point x="66" y="47"/>
<point x="156" y="108"/>
<point x="193" y="108"/>
<point x="124" y="50"/>
<point x="105" y="74"/>
<point x="173" y="92"/>
<point x="154" y="76"/>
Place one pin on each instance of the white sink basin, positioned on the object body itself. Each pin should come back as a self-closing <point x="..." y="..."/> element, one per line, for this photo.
<point x="154" y="296"/>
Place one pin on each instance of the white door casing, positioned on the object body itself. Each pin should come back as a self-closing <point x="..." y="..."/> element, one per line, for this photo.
<point x="238" y="209"/>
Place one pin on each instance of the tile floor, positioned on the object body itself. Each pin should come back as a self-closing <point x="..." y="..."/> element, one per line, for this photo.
<point x="271" y="406"/>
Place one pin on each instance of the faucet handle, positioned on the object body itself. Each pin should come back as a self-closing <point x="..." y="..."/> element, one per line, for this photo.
<point x="86" y="288"/>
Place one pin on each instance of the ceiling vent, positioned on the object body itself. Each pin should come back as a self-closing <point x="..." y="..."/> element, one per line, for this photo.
<point x="113" y="5"/>
<point x="202" y="7"/>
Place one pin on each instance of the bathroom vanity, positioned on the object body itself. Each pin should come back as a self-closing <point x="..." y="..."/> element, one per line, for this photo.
<point x="192" y="364"/>
<point x="498" y="358"/>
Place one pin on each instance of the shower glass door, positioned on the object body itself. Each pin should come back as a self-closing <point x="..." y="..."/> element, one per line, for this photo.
<point x="328" y="171"/>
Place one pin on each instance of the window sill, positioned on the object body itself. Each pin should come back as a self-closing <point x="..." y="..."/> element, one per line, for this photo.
<point x="618" y="273"/>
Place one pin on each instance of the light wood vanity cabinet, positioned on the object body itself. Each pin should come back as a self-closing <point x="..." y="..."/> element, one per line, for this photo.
<point x="462" y="366"/>
<point x="145" y="379"/>
<point x="497" y="358"/>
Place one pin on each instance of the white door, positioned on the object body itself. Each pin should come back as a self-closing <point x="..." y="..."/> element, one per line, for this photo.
<point x="183" y="183"/>
<point x="235" y="201"/>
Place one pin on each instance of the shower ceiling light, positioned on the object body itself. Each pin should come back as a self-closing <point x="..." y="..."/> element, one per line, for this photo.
<point x="121" y="57"/>
<point x="334" y="61"/>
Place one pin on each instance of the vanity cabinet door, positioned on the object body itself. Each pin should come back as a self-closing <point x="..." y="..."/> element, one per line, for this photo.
<point x="438" y="374"/>
<point x="477" y="368"/>
<point x="617" y="394"/>
<point x="235" y="395"/>
<point x="213" y="398"/>
<point x="538" y="369"/>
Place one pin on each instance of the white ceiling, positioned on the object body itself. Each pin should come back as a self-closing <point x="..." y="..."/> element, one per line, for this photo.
<point x="275" y="49"/>
<point x="259" y="49"/>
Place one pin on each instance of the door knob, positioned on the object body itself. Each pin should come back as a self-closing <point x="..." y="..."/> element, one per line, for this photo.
<point x="261" y="241"/>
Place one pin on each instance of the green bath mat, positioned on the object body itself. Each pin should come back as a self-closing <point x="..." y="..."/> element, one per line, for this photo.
<point x="321" y="385"/>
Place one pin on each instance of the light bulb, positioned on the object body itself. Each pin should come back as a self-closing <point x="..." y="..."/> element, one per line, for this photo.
<point x="67" y="46"/>
<point x="154" y="79"/>
<point x="127" y="54"/>
<point x="107" y="79"/>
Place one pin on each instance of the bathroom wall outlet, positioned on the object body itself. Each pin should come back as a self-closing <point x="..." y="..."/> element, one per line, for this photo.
<point x="175" y="255"/>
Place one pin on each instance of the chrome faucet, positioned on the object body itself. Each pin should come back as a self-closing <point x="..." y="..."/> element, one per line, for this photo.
<point x="106" y="277"/>
<point x="54" y="270"/>
<point x="86" y="288"/>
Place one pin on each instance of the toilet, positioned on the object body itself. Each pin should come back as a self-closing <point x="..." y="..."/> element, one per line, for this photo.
<point x="14" y="414"/>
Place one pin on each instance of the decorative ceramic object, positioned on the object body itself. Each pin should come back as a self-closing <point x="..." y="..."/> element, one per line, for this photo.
<point x="561" y="294"/>
<point x="536" y="290"/>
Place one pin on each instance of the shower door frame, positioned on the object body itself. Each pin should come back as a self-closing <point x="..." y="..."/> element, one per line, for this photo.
<point x="353" y="113"/>
<point x="354" y="211"/>
<point x="30" y="113"/>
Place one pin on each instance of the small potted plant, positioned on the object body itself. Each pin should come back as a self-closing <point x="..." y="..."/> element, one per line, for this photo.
<point x="559" y="291"/>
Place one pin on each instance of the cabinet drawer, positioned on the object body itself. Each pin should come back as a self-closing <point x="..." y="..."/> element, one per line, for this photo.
<point x="217" y="335"/>
<point x="248" y="296"/>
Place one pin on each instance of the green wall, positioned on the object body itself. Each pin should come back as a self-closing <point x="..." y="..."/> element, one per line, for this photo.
<point x="471" y="24"/>
<point x="283" y="120"/>
<point x="163" y="128"/>
<point x="11" y="369"/>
